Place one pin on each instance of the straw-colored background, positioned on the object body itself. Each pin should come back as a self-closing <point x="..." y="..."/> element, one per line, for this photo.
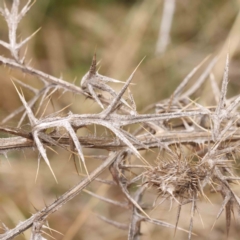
<point x="121" y="33"/>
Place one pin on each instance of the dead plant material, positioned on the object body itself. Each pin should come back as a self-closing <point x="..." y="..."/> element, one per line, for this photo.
<point x="196" y="144"/>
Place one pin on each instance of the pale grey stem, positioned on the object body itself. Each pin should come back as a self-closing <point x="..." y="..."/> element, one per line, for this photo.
<point x="62" y="200"/>
<point x="165" y="27"/>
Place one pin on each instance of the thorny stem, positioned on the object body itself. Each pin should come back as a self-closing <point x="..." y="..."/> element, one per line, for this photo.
<point x="61" y="83"/>
<point x="65" y="198"/>
<point x="210" y="134"/>
<point x="134" y="232"/>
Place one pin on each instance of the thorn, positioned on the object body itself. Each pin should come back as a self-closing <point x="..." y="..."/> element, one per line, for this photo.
<point x="93" y="67"/>
<point x="51" y="229"/>
<point x="27" y="39"/>
<point x="37" y="169"/>
<point x="31" y="117"/>
<point x="42" y="151"/>
<point x="118" y="97"/>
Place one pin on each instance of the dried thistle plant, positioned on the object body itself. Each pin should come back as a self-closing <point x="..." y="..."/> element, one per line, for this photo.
<point x="199" y="141"/>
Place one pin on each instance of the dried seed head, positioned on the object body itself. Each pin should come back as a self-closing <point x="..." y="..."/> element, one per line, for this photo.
<point x="178" y="179"/>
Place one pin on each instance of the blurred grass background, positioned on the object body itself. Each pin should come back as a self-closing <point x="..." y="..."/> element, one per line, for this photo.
<point x="121" y="32"/>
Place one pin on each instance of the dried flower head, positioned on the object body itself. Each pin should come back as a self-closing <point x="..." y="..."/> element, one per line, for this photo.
<point x="177" y="178"/>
